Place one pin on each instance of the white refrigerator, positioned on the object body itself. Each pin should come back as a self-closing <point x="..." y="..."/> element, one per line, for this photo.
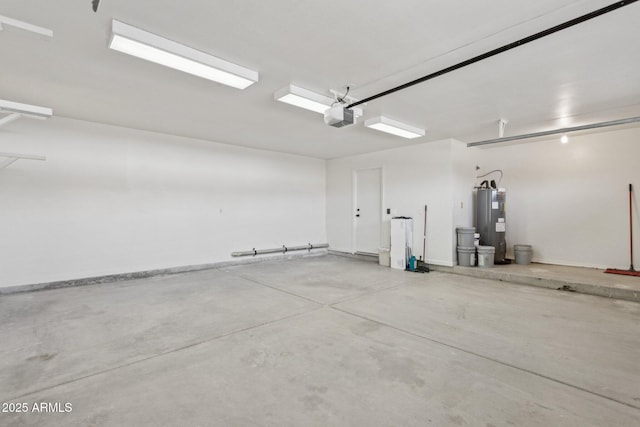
<point x="401" y="242"/>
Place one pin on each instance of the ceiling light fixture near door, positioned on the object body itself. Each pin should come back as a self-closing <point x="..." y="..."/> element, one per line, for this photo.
<point x="142" y="44"/>
<point x="303" y="98"/>
<point x="385" y="124"/>
<point x="309" y="100"/>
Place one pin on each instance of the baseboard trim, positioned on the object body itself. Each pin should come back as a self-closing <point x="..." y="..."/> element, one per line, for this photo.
<point x="357" y="255"/>
<point x="110" y="278"/>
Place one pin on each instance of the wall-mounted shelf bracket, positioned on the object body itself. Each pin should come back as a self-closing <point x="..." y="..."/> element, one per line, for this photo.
<point x="502" y="123"/>
<point x="15" y="110"/>
<point x="10" y="118"/>
<point x="7" y="159"/>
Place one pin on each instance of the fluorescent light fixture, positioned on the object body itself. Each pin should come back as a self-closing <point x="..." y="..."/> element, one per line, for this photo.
<point x="32" y="111"/>
<point x="142" y="44"/>
<point x="5" y="20"/>
<point x="309" y="100"/>
<point x="304" y="98"/>
<point x="394" y="127"/>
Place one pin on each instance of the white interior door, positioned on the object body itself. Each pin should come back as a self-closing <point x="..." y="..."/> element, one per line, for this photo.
<point x="368" y="210"/>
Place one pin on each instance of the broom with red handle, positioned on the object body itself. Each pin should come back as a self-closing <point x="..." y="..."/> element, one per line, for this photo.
<point x="630" y="271"/>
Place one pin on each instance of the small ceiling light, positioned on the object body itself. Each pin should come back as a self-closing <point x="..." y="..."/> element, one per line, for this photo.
<point x="303" y="98"/>
<point x="309" y="100"/>
<point x="142" y="44"/>
<point x="15" y="110"/>
<point x="564" y="139"/>
<point x="394" y="127"/>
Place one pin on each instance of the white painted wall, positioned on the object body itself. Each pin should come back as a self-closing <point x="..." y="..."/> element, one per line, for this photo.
<point x="463" y="180"/>
<point x="412" y="177"/>
<point x="570" y="201"/>
<point x="112" y="200"/>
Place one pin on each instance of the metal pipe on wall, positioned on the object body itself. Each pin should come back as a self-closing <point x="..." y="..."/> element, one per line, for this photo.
<point x="284" y="249"/>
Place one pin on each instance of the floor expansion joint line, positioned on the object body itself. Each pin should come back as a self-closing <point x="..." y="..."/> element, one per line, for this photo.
<point x="280" y="290"/>
<point x="330" y="304"/>
<point x="365" y="294"/>
<point x="165" y="353"/>
<point x="487" y="358"/>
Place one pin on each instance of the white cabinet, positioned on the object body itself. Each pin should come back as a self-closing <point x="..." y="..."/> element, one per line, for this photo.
<point x="401" y="242"/>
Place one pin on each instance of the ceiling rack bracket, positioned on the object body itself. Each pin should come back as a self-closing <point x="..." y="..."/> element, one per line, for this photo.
<point x="620" y="122"/>
<point x="502" y="123"/>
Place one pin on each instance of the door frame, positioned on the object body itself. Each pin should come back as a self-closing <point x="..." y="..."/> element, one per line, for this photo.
<point x="354" y="204"/>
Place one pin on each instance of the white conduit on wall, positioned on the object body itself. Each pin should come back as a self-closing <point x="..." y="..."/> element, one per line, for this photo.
<point x="283" y="249"/>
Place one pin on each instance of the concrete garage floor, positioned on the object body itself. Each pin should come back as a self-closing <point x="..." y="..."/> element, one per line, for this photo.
<point x="319" y="341"/>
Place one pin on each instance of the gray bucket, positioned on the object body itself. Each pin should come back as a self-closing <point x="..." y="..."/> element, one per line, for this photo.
<point x="465" y="236"/>
<point x="523" y="254"/>
<point x="467" y="256"/>
<point x="384" y="257"/>
<point x="485" y="256"/>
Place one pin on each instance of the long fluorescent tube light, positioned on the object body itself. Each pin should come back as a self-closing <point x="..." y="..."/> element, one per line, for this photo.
<point x="394" y="127"/>
<point x="304" y="98"/>
<point x="33" y="111"/>
<point x="5" y="20"/>
<point x="142" y="44"/>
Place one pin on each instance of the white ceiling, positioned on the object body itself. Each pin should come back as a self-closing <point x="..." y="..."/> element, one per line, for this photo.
<point x="584" y="74"/>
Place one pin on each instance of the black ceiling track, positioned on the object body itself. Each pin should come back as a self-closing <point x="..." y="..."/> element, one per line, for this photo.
<point x="541" y="34"/>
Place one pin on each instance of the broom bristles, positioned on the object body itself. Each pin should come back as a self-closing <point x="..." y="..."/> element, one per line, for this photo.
<point x="630" y="272"/>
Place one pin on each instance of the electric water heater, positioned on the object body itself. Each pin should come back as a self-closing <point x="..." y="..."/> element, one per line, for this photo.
<point x="491" y="220"/>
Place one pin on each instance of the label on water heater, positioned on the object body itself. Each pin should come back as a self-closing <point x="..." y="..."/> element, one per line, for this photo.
<point x="495" y="205"/>
<point x="501" y="227"/>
